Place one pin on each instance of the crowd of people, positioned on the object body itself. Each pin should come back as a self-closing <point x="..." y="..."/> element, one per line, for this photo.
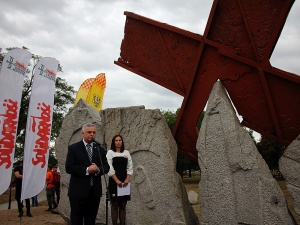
<point x="86" y="162"/>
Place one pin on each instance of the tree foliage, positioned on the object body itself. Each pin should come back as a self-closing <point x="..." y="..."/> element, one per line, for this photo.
<point x="170" y="117"/>
<point x="64" y="96"/>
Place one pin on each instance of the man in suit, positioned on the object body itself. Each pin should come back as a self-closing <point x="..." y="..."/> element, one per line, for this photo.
<point x="85" y="187"/>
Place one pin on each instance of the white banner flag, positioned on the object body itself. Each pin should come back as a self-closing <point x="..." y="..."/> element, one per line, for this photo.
<point x="38" y="127"/>
<point x="12" y="74"/>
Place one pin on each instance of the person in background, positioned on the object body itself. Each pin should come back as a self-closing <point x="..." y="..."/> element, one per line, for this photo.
<point x="86" y="162"/>
<point x="50" y="189"/>
<point x="18" y="172"/>
<point x="121" y="169"/>
<point x="56" y="176"/>
<point x="34" y="201"/>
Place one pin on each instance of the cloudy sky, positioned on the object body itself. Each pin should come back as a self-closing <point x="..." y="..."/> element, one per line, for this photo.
<point x="85" y="37"/>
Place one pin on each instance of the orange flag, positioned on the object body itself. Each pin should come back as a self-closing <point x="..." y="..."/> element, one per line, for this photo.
<point x="84" y="90"/>
<point x="96" y="93"/>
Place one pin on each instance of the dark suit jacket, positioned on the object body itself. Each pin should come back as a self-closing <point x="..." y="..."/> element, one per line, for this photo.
<point x="76" y="163"/>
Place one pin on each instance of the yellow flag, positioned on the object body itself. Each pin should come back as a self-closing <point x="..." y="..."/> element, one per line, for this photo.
<point x="84" y="90"/>
<point x="96" y="93"/>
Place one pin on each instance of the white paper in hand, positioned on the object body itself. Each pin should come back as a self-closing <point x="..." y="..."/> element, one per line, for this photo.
<point x="123" y="190"/>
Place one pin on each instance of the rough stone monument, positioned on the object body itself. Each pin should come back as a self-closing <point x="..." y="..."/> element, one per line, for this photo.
<point x="289" y="165"/>
<point x="158" y="196"/>
<point x="236" y="185"/>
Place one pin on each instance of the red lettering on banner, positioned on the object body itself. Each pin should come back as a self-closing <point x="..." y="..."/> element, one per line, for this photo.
<point x="21" y="65"/>
<point x="51" y="72"/>
<point x="7" y="143"/>
<point x="33" y="125"/>
<point x="42" y="143"/>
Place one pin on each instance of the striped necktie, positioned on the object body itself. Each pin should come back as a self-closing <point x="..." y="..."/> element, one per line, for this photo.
<point x="89" y="151"/>
<point x="90" y="154"/>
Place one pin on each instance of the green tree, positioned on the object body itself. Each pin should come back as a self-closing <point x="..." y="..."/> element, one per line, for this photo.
<point x="170" y="117"/>
<point x="64" y="96"/>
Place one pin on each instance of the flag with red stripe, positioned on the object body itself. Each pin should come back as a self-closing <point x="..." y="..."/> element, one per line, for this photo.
<point x="12" y="73"/>
<point x="38" y="127"/>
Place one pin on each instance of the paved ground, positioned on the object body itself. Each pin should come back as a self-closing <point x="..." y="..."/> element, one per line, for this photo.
<point x="40" y="215"/>
<point x="4" y="206"/>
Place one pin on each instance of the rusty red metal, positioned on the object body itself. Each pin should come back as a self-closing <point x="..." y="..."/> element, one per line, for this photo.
<point x="236" y="47"/>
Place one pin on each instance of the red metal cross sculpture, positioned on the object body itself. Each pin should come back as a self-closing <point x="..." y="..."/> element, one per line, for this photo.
<point x="236" y="48"/>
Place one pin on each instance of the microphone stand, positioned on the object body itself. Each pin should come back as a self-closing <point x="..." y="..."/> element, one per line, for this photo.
<point x="106" y="184"/>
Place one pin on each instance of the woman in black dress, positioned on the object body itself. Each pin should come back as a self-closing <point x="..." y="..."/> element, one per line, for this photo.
<point x="120" y="163"/>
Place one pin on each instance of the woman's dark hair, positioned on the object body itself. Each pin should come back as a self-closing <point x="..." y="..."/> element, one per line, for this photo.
<point x="113" y="147"/>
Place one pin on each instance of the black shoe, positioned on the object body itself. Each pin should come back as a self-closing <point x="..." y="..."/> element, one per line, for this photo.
<point x="54" y="212"/>
<point x="20" y="215"/>
<point x="49" y="209"/>
<point x="28" y="214"/>
<point x="55" y="206"/>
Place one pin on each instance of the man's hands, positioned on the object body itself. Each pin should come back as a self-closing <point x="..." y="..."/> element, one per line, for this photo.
<point x="93" y="169"/>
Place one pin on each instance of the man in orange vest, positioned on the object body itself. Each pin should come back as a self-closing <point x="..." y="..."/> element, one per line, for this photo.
<point x="50" y="188"/>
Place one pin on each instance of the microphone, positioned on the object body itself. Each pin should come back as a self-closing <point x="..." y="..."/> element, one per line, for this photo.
<point x="97" y="142"/>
